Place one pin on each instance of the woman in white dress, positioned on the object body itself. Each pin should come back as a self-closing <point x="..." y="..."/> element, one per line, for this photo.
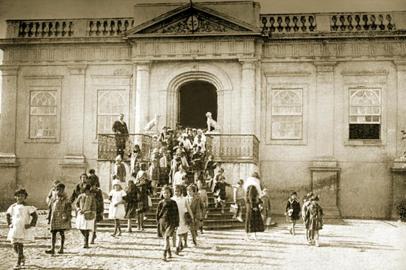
<point x="185" y="217"/>
<point x="86" y="213"/>
<point x="116" y="208"/>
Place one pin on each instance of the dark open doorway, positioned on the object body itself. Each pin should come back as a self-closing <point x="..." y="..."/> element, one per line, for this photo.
<point x="196" y="98"/>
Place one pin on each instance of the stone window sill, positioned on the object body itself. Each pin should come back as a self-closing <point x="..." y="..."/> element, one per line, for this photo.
<point x="364" y="143"/>
<point x="43" y="140"/>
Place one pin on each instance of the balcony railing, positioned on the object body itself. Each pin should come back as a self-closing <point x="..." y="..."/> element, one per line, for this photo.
<point x="234" y="147"/>
<point x="224" y="147"/>
<point x="107" y="146"/>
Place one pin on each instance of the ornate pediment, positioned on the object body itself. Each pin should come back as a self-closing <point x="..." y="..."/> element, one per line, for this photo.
<point x="192" y="20"/>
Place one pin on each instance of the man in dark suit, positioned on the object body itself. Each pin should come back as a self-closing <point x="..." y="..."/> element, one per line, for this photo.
<point x="121" y="134"/>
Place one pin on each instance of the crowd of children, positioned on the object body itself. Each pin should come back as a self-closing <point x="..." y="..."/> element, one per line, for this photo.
<point x="180" y="164"/>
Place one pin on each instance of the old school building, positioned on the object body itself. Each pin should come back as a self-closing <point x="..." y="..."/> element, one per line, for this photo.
<point x="312" y="101"/>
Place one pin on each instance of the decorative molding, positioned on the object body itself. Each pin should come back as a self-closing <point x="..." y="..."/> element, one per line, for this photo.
<point x="365" y="73"/>
<point x="77" y="69"/>
<point x="66" y="53"/>
<point x="9" y="70"/>
<point x="335" y="49"/>
<point x="400" y="64"/>
<point x="324" y="67"/>
<point x="8" y="158"/>
<point x="288" y="74"/>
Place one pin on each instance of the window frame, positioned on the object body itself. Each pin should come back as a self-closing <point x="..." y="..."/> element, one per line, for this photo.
<point x="127" y="107"/>
<point x="304" y="87"/>
<point x="56" y="139"/>
<point x="382" y="134"/>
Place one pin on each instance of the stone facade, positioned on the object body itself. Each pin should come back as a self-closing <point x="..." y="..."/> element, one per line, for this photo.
<point x="290" y="80"/>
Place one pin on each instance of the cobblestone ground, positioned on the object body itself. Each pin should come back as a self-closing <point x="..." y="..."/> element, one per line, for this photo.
<point x="358" y="244"/>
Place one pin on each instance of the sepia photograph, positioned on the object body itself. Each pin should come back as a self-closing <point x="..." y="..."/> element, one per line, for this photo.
<point x="202" y="134"/>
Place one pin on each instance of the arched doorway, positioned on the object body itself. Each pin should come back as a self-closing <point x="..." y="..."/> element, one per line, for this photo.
<point x="195" y="99"/>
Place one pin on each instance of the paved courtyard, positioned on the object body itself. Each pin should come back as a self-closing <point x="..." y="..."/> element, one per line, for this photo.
<point x="358" y="244"/>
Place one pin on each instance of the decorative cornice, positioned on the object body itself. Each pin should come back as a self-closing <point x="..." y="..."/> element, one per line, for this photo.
<point x="375" y="73"/>
<point x="325" y="66"/>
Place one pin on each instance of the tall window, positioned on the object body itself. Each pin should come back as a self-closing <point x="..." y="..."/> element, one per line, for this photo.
<point x="365" y="114"/>
<point x="110" y="103"/>
<point x="43" y="114"/>
<point x="287" y="114"/>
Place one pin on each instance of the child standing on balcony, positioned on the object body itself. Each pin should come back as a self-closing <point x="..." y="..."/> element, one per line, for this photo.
<point x="220" y="193"/>
<point x="293" y="211"/>
<point x="20" y="218"/>
<point x="116" y="208"/>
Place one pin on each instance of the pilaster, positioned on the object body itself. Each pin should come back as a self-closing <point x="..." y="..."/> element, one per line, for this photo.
<point x="401" y="108"/>
<point x="75" y="117"/>
<point x="142" y="95"/>
<point x="8" y="122"/>
<point x="324" y="110"/>
<point x="248" y="112"/>
<point x="398" y="185"/>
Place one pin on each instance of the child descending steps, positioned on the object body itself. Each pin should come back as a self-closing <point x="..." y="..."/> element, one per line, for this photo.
<point x="60" y="220"/>
<point x="314" y="220"/>
<point x="167" y="216"/>
<point x="20" y="219"/>
<point x="292" y="211"/>
<point x="205" y="203"/>
<point x="131" y="206"/>
<point x="220" y="193"/>
<point x="116" y="208"/>
<point x="86" y="213"/>
<point x="239" y="199"/>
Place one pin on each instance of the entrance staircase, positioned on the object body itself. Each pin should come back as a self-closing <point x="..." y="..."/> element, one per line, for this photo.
<point x="215" y="219"/>
<point x="237" y="154"/>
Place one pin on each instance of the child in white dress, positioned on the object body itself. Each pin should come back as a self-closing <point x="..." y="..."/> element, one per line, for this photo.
<point x="116" y="208"/>
<point x="86" y="213"/>
<point x="20" y="218"/>
<point x="183" y="208"/>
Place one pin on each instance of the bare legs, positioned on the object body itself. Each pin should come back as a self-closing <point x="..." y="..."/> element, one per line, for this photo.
<point x="19" y="249"/>
<point x="117" y="228"/>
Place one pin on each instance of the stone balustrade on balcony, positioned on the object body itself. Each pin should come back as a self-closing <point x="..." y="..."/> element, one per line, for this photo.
<point x="271" y="25"/>
<point x="233" y="148"/>
<point x="68" y="28"/>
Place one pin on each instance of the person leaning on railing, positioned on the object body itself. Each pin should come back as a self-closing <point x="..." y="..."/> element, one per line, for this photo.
<point x="121" y="135"/>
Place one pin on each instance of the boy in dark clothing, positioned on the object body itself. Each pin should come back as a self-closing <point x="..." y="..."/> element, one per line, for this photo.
<point x="293" y="211"/>
<point x="167" y="216"/>
<point x="220" y="193"/>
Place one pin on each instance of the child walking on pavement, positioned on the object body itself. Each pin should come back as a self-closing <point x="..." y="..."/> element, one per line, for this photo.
<point x="116" y="208"/>
<point x="314" y="220"/>
<point x="196" y="206"/>
<point x="167" y="216"/>
<point x="239" y="199"/>
<point x="184" y="212"/>
<point x="60" y="220"/>
<point x="293" y="211"/>
<point x="20" y="218"/>
<point x="86" y="213"/>
<point x="305" y="208"/>
<point x="266" y="208"/>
